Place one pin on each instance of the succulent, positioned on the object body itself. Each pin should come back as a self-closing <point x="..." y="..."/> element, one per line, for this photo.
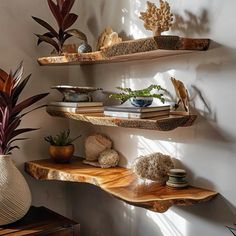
<point x="11" y="109"/>
<point x="128" y="93"/>
<point x="61" y="12"/>
<point x="61" y="139"/>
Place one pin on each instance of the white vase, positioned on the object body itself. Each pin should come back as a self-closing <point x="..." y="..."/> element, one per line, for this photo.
<point x="15" y="196"/>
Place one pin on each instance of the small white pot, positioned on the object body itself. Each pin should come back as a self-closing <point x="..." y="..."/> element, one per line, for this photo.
<point x="15" y="196"/>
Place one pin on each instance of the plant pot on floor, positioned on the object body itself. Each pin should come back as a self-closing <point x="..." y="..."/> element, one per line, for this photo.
<point x="61" y="154"/>
<point x="15" y="196"/>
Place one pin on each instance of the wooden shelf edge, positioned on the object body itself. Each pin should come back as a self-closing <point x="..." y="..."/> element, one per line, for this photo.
<point x="158" y="124"/>
<point x="133" y="50"/>
<point x="120" y="182"/>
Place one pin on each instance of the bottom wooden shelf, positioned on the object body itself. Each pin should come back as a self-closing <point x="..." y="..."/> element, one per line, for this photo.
<point x="121" y="183"/>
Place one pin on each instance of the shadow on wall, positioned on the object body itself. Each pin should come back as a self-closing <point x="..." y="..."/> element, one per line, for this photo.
<point x="108" y="216"/>
<point x="191" y="24"/>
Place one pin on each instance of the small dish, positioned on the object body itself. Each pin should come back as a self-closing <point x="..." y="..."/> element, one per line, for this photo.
<point x="75" y="93"/>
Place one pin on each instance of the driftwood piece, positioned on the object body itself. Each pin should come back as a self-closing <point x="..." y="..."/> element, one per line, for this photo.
<point x="121" y="183"/>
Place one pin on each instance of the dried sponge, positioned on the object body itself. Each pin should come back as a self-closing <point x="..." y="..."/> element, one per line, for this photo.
<point x="108" y="158"/>
<point x="153" y="167"/>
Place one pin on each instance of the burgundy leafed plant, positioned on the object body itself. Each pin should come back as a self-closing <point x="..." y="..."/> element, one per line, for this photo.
<point x="61" y="12"/>
<point x="11" y="110"/>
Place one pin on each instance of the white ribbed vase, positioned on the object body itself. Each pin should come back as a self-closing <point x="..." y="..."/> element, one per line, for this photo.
<point x="15" y="196"/>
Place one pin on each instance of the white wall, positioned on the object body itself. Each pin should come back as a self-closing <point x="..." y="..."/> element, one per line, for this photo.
<point x="206" y="150"/>
<point x="17" y="43"/>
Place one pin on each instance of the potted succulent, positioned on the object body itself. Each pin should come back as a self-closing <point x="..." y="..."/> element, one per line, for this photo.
<point x="140" y="98"/>
<point x="61" y="148"/>
<point x="15" y="195"/>
<point x="65" y="19"/>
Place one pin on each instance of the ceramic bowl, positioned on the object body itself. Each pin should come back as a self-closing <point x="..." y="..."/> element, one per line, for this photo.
<point x="141" y="101"/>
<point x="75" y="93"/>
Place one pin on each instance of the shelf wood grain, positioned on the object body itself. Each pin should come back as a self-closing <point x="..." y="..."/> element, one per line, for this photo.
<point x="166" y="123"/>
<point x="132" y="50"/>
<point x="121" y="183"/>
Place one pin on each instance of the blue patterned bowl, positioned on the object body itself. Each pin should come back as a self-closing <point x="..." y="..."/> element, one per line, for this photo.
<point x="141" y="101"/>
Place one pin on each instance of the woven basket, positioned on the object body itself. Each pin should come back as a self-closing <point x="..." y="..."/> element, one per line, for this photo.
<point x="15" y="196"/>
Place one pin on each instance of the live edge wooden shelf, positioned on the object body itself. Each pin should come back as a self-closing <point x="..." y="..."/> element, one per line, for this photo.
<point x="121" y="183"/>
<point x="141" y="49"/>
<point x="159" y="123"/>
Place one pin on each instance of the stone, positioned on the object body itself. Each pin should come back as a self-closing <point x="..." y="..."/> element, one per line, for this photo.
<point x="153" y="167"/>
<point x="94" y="145"/>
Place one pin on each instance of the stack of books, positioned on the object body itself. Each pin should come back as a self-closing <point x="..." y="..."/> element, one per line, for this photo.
<point x="86" y="108"/>
<point x="124" y="111"/>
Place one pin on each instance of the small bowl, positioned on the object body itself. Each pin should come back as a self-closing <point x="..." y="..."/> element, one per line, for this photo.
<point x="141" y="101"/>
<point x="75" y="93"/>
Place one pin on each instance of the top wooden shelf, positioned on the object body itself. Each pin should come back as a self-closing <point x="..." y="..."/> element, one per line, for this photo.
<point x="121" y="183"/>
<point x="133" y="50"/>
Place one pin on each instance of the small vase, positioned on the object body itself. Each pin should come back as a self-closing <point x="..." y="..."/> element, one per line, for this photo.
<point x="141" y="101"/>
<point x="15" y="196"/>
<point x="61" y="154"/>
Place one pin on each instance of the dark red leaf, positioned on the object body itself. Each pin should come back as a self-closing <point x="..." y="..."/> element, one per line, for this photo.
<point x="17" y="90"/>
<point x="60" y="4"/>
<point x="49" y="40"/>
<point x="77" y="34"/>
<point x="46" y="25"/>
<point x="19" y="132"/>
<point x="26" y="103"/>
<point x="3" y="75"/>
<point x="56" y="12"/>
<point x="69" y="20"/>
<point x="68" y="4"/>
<point x="48" y="34"/>
<point x="17" y="75"/>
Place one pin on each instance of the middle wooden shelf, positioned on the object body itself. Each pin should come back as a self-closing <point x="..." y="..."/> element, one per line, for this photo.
<point x="165" y="123"/>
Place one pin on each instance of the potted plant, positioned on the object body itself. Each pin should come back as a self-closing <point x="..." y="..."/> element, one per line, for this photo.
<point x="65" y="19"/>
<point x="140" y="98"/>
<point x="15" y="195"/>
<point x="61" y="148"/>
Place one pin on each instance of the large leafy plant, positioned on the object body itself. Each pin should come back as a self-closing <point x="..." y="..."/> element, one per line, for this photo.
<point x="61" y="12"/>
<point x="11" y="110"/>
<point x="128" y="93"/>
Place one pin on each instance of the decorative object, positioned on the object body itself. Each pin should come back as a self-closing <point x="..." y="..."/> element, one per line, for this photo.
<point x="75" y="93"/>
<point x="95" y="145"/>
<point x="15" y="197"/>
<point x="108" y="38"/>
<point x="153" y="167"/>
<point x="61" y="148"/>
<point x="141" y="101"/>
<point x="121" y="183"/>
<point x="15" y="194"/>
<point x="108" y="158"/>
<point x="177" y="178"/>
<point x="139" y="98"/>
<point x="84" y="48"/>
<point x="182" y="105"/>
<point x="61" y="12"/>
<point x="156" y="19"/>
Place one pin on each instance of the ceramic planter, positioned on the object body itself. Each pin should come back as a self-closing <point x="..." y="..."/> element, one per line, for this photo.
<point x="15" y="196"/>
<point x="141" y="101"/>
<point x="61" y="154"/>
